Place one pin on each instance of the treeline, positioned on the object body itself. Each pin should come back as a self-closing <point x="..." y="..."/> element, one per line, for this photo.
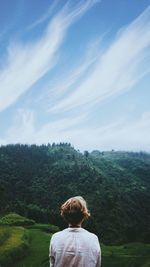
<point x="35" y="180"/>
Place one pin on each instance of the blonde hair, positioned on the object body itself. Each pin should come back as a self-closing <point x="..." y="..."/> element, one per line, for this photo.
<point x="75" y="210"/>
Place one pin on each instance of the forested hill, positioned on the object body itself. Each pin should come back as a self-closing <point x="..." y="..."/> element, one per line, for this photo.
<point x="35" y="180"/>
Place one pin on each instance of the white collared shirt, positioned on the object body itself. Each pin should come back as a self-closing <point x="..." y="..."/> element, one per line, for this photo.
<point x="74" y="247"/>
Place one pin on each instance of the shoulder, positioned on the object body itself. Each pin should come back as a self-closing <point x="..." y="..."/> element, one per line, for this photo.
<point x="92" y="238"/>
<point x="58" y="235"/>
<point x="92" y="235"/>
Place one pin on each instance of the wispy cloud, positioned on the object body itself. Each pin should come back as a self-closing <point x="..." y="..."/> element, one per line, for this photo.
<point x="117" y="70"/>
<point x="57" y="88"/>
<point x="121" y="135"/>
<point x="23" y="129"/>
<point x="100" y="73"/>
<point x="27" y="63"/>
<point x="45" y="16"/>
<point x="133" y="135"/>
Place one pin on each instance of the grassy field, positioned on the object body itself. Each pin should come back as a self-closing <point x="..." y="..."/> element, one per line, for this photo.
<point x="5" y="233"/>
<point x="128" y="255"/>
<point x="14" y="244"/>
<point x="38" y="254"/>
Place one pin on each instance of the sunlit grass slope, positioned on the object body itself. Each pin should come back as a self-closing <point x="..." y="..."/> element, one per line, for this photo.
<point x="24" y="246"/>
<point x="4" y="234"/>
<point x="14" y="244"/>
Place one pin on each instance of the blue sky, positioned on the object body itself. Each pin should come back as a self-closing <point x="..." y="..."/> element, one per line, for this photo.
<point x="75" y="71"/>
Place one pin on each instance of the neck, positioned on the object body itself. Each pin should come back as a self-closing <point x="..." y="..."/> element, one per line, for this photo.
<point x="75" y="225"/>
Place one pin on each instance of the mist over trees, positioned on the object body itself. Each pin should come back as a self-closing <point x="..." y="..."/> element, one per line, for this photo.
<point x="36" y="180"/>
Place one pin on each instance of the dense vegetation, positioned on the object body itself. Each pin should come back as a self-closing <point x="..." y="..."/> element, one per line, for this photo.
<point x="35" y="180"/>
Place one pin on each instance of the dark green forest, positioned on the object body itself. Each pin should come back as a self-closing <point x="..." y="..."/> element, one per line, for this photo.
<point x="36" y="180"/>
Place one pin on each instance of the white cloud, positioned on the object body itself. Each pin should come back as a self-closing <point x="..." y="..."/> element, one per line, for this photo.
<point x="26" y="64"/>
<point x="114" y="71"/>
<point x="120" y="135"/>
<point x="45" y="16"/>
<point x="58" y="88"/>
<point x="3" y="141"/>
<point x="22" y="129"/>
<point x="117" y="70"/>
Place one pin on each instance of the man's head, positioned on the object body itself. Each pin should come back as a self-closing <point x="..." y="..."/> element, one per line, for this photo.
<point x="74" y="210"/>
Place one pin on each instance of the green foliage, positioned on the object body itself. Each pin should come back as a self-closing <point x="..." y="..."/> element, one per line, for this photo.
<point x="36" y="180"/>
<point x="15" y="246"/>
<point x="15" y="219"/>
<point x="4" y="234"/>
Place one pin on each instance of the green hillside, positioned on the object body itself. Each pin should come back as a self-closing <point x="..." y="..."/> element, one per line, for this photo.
<point x="29" y="248"/>
<point x="35" y="180"/>
<point x="39" y="250"/>
<point x="14" y="244"/>
<point x="24" y="246"/>
<point x="15" y="219"/>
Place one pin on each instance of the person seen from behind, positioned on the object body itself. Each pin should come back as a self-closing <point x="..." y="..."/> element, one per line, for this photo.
<point x="75" y="246"/>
